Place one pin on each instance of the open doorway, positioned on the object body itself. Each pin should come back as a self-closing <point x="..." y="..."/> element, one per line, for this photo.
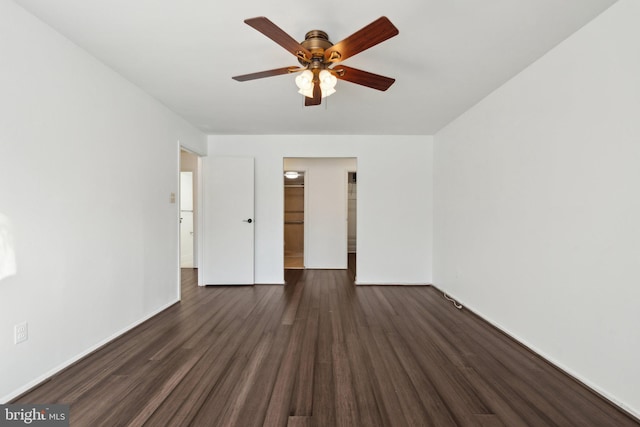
<point x="294" y="219"/>
<point x="321" y="212"/>
<point x="352" y="225"/>
<point x="186" y="220"/>
<point x="188" y="209"/>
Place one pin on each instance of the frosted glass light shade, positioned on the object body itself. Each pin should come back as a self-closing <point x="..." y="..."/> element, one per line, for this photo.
<point x="327" y="79"/>
<point x="304" y="80"/>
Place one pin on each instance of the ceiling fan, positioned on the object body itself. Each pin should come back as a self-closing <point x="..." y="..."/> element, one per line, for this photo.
<point x="319" y="58"/>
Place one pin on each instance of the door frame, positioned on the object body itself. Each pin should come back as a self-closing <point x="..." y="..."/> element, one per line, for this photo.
<point x="299" y="163"/>
<point x="305" y="218"/>
<point x="197" y="212"/>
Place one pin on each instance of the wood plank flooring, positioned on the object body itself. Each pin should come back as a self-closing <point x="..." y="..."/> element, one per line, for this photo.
<point x="319" y="352"/>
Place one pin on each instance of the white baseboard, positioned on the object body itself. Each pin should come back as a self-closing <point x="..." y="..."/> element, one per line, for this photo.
<point x="390" y="284"/>
<point x="85" y="353"/>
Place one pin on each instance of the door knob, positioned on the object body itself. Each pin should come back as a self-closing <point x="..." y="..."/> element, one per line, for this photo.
<point x="248" y="220"/>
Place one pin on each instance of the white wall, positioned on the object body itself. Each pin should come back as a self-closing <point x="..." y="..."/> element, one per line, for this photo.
<point x="326" y="210"/>
<point x="394" y="200"/>
<point x="537" y="205"/>
<point x="87" y="163"/>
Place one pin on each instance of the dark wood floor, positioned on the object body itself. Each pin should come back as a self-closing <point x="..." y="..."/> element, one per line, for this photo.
<point x="319" y="352"/>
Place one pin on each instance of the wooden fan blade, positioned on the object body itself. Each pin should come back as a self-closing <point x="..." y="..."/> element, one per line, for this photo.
<point x="263" y="74"/>
<point x="364" y="78"/>
<point x="317" y="95"/>
<point x="276" y="34"/>
<point x="378" y="31"/>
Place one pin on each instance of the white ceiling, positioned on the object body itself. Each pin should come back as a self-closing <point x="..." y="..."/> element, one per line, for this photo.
<point x="449" y="55"/>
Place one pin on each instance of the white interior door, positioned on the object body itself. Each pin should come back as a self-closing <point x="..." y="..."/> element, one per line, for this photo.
<point x="228" y="221"/>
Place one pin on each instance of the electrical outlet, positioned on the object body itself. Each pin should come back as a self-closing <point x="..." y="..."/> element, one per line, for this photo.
<point x="21" y="332"/>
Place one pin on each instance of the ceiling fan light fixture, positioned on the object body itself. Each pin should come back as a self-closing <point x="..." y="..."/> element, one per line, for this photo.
<point x="306" y="92"/>
<point x="327" y="79"/>
<point x="327" y="91"/>
<point x="327" y="83"/>
<point x="304" y="81"/>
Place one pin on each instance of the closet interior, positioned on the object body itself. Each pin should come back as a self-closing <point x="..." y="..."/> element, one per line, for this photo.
<point x="294" y="220"/>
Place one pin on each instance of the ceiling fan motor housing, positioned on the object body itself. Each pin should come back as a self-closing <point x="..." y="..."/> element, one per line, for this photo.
<point x="316" y="42"/>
